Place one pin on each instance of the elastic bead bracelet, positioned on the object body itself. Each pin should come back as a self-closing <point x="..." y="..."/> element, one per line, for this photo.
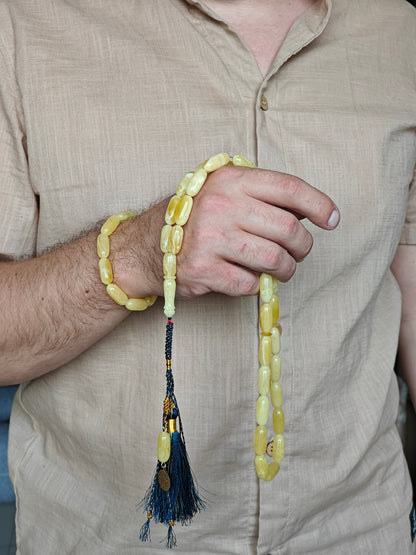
<point x="106" y="270"/>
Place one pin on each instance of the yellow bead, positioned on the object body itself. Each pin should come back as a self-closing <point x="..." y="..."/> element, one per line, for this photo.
<point x="276" y="368"/>
<point x="216" y="162"/>
<point x="265" y="350"/>
<point x="103" y="246"/>
<point x="183" y="210"/>
<point x="151" y="300"/>
<point x="126" y="215"/>
<point x="164" y="238"/>
<point x="117" y="294"/>
<point x="272" y="470"/>
<point x="266" y="288"/>
<point x="274" y="302"/>
<point x="264" y="380"/>
<point x="175" y="239"/>
<point x="266" y="318"/>
<point x="239" y="160"/>
<point x="262" y="410"/>
<point x="261" y="466"/>
<point x="110" y="225"/>
<point x="276" y="394"/>
<point x="278" y="448"/>
<point x="169" y="265"/>
<point x="275" y="284"/>
<point x="260" y="440"/>
<point x="278" y="420"/>
<point x="183" y="184"/>
<point x="106" y="271"/>
<point x="136" y="304"/>
<point x="163" y="447"/>
<point x="169" y="289"/>
<point x="171" y="210"/>
<point x="196" y="182"/>
<point x="275" y="341"/>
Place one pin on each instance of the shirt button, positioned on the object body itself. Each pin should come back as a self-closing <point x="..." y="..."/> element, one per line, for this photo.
<point x="264" y="105"/>
<point x="269" y="449"/>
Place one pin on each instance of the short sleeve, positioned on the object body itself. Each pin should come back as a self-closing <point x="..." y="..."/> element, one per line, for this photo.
<point x="408" y="236"/>
<point x="18" y="203"/>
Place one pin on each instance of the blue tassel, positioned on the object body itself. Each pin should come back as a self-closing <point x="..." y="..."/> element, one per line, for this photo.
<point x="170" y="539"/>
<point x="145" y="530"/>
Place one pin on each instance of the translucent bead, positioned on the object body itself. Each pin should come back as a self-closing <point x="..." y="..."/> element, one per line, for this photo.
<point x="163" y="447"/>
<point x="216" y="162"/>
<point x="183" y="210"/>
<point x="183" y="184"/>
<point x="103" y="246"/>
<point x="169" y="289"/>
<point x="266" y="288"/>
<point x="171" y="210"/>
<point x="175" y="239"/>
<point x="136" y="304"/>
<point x="260" y="440"/>
<point x="117" y="294"/>
<point x="126" y="215"/>
<point x="274" y="302"/>
<point x="151" y="300"/>
<point x="239" y="160"/>
<point x="275" y="284"/>
<point x="262" y="410"/>
<point x="266" y="318"/>
<point x="278" y="420"/>
<point x="261" y="466"/>
<point x="278" y="448"/>
<point x="276" y="368"/>
<point x="264" y="380"/>
<point x="265" y="350"/>
<point x="164" y="238"/>
<point x="275" y="341"/>
<point x="276" y="394"/>
<point x="169" y="265"/>
<point x="110" y="225"/>
<point x="272" y="470"/>
<point x="196" y="182"/>
<point x="106" y="271"/>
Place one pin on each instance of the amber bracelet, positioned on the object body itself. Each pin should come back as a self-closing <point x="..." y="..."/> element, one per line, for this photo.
<point x="106" y="270"/>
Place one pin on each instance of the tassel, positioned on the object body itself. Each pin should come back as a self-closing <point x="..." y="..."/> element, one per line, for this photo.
<point x="170" y="538"/>
<point x="145" y="529"/>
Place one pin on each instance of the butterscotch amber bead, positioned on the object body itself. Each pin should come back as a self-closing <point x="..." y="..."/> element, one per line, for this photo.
<point x="183" y="184"/>
<point x="169" y="265"/>
<point x="163" y="447"/>
<point x="239" y="160"/>
<point x="260" y="440"/>
<point x="171" y="210"/>
<point x="110" y="225"/>
<point x="106" y="271"/>
<point x="272" y="470"/>
<point x="261" y="466"/>
<point x="125" y="215"/>
<point x="274" y="303"/>
<point x="216" y="162"/>
<point x="164" y="238"/>
<point x="276" y="368"/>
<point x="196" y="182"/>
<point x="103" y="245"/>
<point x="264" y="380"/>
<point x="183" y="210"/>
<point x="175" y="239"/>
<point x="278" y="448"/>
<point x="278" y="420"/>
<point x="266" y="318"/>
<point x="265" y="350"/>
<point x="169" y="289"/>
<point x="276" y="394"/>
<point x="136" y="304"/>
<point x="262" y="410"/>
<point x="117" y="294"/>
<point x="266" y="288"/>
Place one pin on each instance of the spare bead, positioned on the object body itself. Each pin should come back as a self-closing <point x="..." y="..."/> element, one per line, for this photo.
<point x="171" y="210"/>
<point x="275" y="341"/>
<point x="106" y="271"/>
<point x="261" y="466"/>
<point x="266" y="288"/>
<point x="278" y="420"/>
<point x="216" y="162"/>
<point x="278" y="447"/>
<point x="117" y="294"/>
<point x="264" y="380"/>
<point x="169" y="288"/>
<point x="175" y="239"/>
<point x="274" y="302"/>
<point x="136" y="304"/>
<point x="239" y="160"/>
<point x="163" y="447"/>
<point x="169" y="265"/>
<point x="260" y="440"/>
<point x="262" y="410"/>
<point x="103" y="246"/>
<point x="183" y="210"/>
<point x="265" y="350"/>
<point x="276" y="394"/>
<point x="110" y="225"/>
<point x="272" y="469"/>
<point x="276" y="368"/>
<point x="266" y="318"/>
<point x="196" y="182"/>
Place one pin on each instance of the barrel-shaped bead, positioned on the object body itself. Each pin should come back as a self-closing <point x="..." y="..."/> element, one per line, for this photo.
<point x="105" y="270"/>
<point x="266" y="318"/>
<point x="136" y="304"/>
<point x="276" y="394"/>
<point x="275" y="340"/>
<point x="171" y="210"/>
<point x="164" y="238"/>
<point x="276" y="368"/>
<point x="263" y="380"/>
<point x="260" y="440"/>
<point x="274" y="302"/>
<point x="163" y="447"/>
<point x="278" y="447"/>
<point x="272" y="469"/>
<point x="183" y="184"/>
<point x="169" y="289"/>
<point x="150" y="300"/>
<point x="169" y="265"/>
<point x="265" y="350"/>
<point x="183" y="210"/>
<point x="117" y="294"/>
<point x="261" y="466"/>
<point x="196" y="182"/>
<point x="103" y="245"/>
<point x="110" y="225"/>
<point x="262" y="410"/>
<point x="239" y="160"/>
<point x="266" y="288"/>
<point x="126" y="215"/>
<point x="217" y="161"/>
<point x="278" y="420"/>
<point x="175" y="239"/>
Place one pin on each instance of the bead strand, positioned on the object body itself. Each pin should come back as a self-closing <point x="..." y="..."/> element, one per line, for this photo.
<point x="269" y="383"/>
<point x="106" y="270"/>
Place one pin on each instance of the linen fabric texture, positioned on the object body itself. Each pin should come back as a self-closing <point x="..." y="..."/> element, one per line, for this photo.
<point x="104" y="107"/>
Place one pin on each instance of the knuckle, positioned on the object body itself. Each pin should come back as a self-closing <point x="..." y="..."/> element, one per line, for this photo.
<point x="291" y="185"/>
<point x="289" y="224"/>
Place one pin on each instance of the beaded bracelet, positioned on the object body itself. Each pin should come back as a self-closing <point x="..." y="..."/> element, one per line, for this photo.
<point x="106" y="270"/>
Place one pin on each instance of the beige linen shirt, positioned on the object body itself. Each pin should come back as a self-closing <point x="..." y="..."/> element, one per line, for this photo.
<point x="104" y="106"/>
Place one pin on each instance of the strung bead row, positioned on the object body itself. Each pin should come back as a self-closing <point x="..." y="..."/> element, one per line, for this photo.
<point x="106" y="270"/>
<point x="269" y="382"/>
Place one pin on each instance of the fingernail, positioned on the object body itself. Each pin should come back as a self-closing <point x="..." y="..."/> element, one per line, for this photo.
<point x="334" y="219"/>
